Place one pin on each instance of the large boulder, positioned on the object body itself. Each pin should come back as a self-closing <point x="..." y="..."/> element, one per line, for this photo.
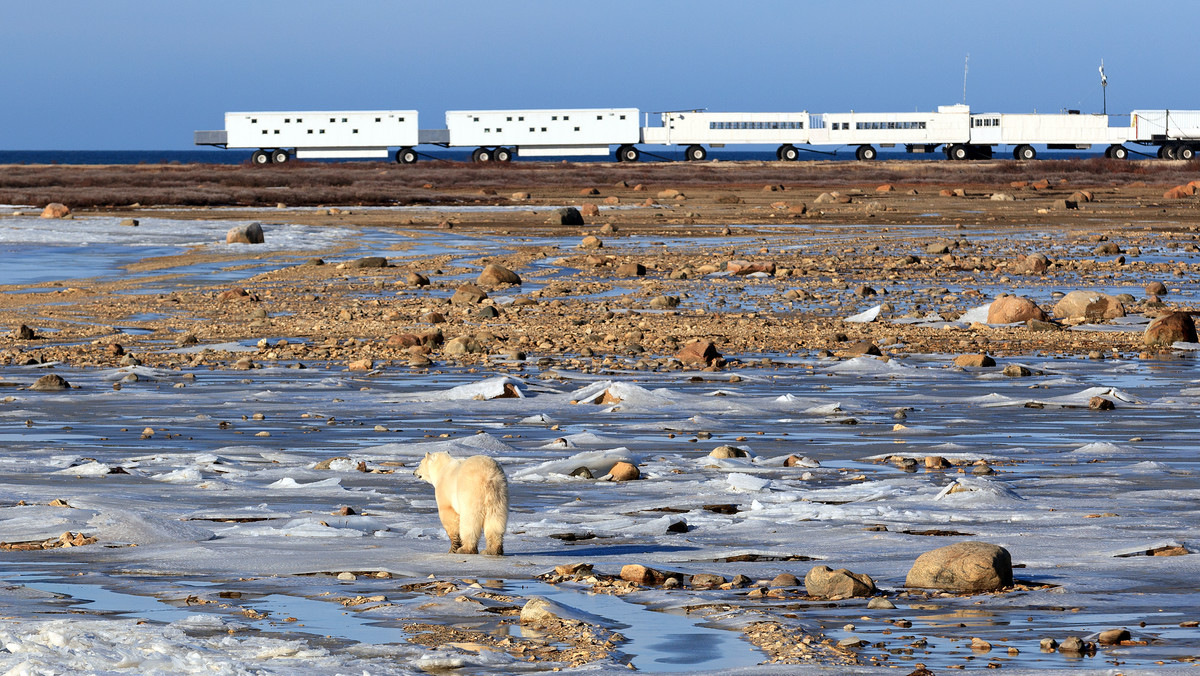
<point x="1031" y="264"/>
<point x="742" y="267"/>
<point x="246" y="233"/>
<point x="497" y="274"/>
<point x="56" y="210"/>
<point x="1010" y="309"/>
<point x="701" y="352"/>
<point x="824" y="582"/>
<point x="468" y="294"/>
<point x="970" y="566"/>
<point x="1089" y="305"/>
<point x="570" y="216"/>
<point x="51" y="382"/>
<point x="1171" y="328"/>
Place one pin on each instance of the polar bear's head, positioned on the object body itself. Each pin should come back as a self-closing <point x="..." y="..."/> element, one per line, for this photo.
<point x="432" y="465"/>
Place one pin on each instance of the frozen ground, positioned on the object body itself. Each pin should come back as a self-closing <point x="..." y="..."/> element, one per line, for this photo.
<point x="210" y="504"/>
<point x="219" y="548"/>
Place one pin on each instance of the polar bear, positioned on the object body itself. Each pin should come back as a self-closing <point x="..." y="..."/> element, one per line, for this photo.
<point x="472" y="499"/>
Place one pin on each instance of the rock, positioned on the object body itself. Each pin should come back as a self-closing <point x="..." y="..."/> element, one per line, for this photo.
<point x="880" y="603"/>
<point x="1010" y="309"/>
<point x="664" y="302"/>
<point x="1032" y="264"/>
<point x="864" y="347"/>
<point x="576" y="569"/>
<point x="785" y="580"/>
<point x="247" y="233"/>
<point x="589" y="210"/>
<point x="631" y="270"/>
<point x="1017" y="371"/>
<point x="825" y="198"/>
<point x="56" y="210"/>
<point x="488" y="312"/>
<point x="959" y="192"/>
<point x="728" y="198"/>
<point x="1089" y="305"/>
<point x="698" y="352"/>
<point x="1101" y="404"/>
<point x="1042" y="184"/>
<point x="668" y="194"/>
<point x="1113" y="636"/>
<point x="1039" y="325"/>
<point x="360" y="365"/>
<point x="1001" y="197"/>
<point x="976" y="360"/>
<point x="726" y="452"/>
<point x="236" y="293"/>
<point x="936" y="462"/>
<point x="1156" y="289"/>
<point x="1048" y="645"/>
<point x="1071" y="644"/>
<point x="707" y="581"/>
<point x="569" y="216"/>
<point x="497" y="274"/>
<point x="970" y="566"/>
<point x="644" y="575"/>
<point x="367" y="262"/>
<point x="741" y="267"/>
<point x="589" y="192"/>
<point x="538" y="610"/>
<point x="624" y="471"/>
<point x="520" y="196"/>
<point x="468" y="294"/>
<point x="51" y="382"/>
<point x="1168" y="329"/>
<point x="23" y="332"/>
<point x="887" y="187"/>
<point x="591" y="242"/>
<point x="823" y="582"/>
<point x="461" y="345"/>
<point x="1065" y="204"/>
<point x="416" y="279"/>
<point x="130" y="222"/>
<point x="1107" y="249"/>
<point x="1179" y="192"/>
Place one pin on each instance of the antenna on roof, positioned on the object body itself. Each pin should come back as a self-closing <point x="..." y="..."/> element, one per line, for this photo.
<point x="966" y="62"/>
<point x="1104" y="87"/>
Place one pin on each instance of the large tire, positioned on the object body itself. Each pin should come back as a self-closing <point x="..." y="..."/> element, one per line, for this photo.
<point x="260" y="157"/>
<point x="960" y="152"/>
<point x="1168" y="152"/>
<point x="695" y="153"/>
<point x="1185" y="152"/>
<point x="280" y="156"/>
<point x="481" y="155"/>
<point x="502" y="155"/>
<point x="628" y="153"/>
<point x="1118" y="152"/>
<point x="788" y="153"/>
<point x="406" y="156"/>
<point x="1024" y="152"/>
<point x="866" y="153"/>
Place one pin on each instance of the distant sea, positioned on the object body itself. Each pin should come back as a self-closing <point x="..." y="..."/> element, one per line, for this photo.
<point x="649" y="154"/>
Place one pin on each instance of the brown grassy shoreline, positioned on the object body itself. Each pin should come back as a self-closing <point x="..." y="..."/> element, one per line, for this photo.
<point x="382" y="184"/>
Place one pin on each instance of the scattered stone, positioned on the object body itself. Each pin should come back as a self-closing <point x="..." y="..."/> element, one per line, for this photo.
<point x="643" y="575"/>
<point x="1107" y="249"/>
<point x="976" y="360"/>
<point x="823" y="582"/>
<point x="591" y="242"/>
<point x="699" y="352"/>
<point x="1101" y="404"/>
<point x="589" y="210"/>
<point x="1048" y="645"/>
<point x="416" y="279"/>
<point x="23" y="332"/>
<point x="1170" y="328"/>
<point x="538" y="610"/>
<point x="631" y="270"/>
<point x="497" y="274"/>
<point x="468" y="294"/>
<point x="569" y="216"/>
<point x="1113" y="636"/>
<point x="727" y="452"/>
<point x="1031" y="264"/>
<point x="247" y="233"/>
<point x="624" y="471"/>
<point x="1065" y="204"/>
<point x="1012" y="309"/>
<point x="970" y="566"/>
<point x="936" y="462"/>
<point x="130" y="222"/>
<point x="1001" y="197"/>
<point x="1089" y="305"/>
<point x="664" y="302"/>
<point x="707" y="581"/>
<point x="1156" y="289"/>
<point x="360" y="365"/>
<point x="1072" y="644"/>
<point x="56" y="210"/>
<point x="785" y="580"/>
<point x="367" y="262"/>
<point x="1017" y="371"/>
<point x="880" y="603"/>
<point x="864" y="347"/>
<point x="51" y="382"/>
<point x="520" y="196"/>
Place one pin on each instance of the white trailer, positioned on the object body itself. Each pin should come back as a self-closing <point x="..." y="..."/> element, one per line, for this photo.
<point x="500" y="134"/>
<point x="1070" y="131"/>
<point x="279" y="136"/>
<point x="917" y="132"/>
<point x="696" y="128"/>
<point x="1175" y="132"/>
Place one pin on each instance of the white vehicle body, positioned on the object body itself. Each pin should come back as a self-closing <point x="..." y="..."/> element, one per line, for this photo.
<point x="1165" y="125"/>
<point x="321" y="134"/>
<point x="544" y="132"/>
<point x="950" y="124"/>
<point x="1071" y="130"/>
<point x="695" y="127"/>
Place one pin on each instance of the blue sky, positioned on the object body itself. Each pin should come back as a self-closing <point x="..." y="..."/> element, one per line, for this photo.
<point x="143" y="74"/>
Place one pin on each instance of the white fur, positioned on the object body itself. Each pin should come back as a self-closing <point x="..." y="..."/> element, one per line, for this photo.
<point x="472" y="500"/>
